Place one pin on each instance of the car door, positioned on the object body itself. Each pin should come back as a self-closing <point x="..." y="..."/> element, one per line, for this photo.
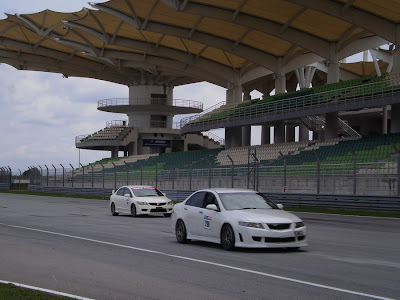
<point x="212" y="220"/>
<point x="127" y="200"/>
<point x="118" y="198"/>
<point x="193" y="213"/>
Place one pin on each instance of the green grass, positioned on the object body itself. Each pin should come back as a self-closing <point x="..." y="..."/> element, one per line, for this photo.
<point x="12" y="292"/>
<point x="344" y="212"/>
<point x="56" y="195"/>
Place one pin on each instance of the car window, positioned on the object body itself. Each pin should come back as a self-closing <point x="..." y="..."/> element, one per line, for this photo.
<point x="120" y="192"/>
<point x="196" y="200"/>
<point x="233" y="201"/>
<point x="146" y="192"/>
<point x="210" y="199"/>
<point x="127" y="191"/>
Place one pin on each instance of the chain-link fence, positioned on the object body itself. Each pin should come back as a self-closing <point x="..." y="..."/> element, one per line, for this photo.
<point x="379" y="178"/>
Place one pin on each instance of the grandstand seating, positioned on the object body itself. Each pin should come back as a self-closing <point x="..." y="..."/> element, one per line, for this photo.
<point x="318" y="95"/>
<point x="108" y="133"/>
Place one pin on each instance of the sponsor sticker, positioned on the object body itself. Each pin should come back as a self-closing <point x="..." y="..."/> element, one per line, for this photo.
<point x="207" y="222"/>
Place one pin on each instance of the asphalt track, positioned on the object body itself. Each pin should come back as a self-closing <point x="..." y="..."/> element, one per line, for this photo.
<point x="75" y="246"/>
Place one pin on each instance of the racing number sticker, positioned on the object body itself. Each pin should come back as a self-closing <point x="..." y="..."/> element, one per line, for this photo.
<point x="207" y="222"/>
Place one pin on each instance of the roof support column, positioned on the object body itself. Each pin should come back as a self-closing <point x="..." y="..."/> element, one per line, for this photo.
<point x="331" y="119"/>
<point x="280" y="78"/>
<point x="279" y="132"/>
<point x="233" y="135"/>
<point x="290" y="133"/>
<point x="395" y="122"/>
<point x="265" y="135"/>
<point x="304" y="76"/>
<point x="246" y="130"/>
<point x="396" y="52"/>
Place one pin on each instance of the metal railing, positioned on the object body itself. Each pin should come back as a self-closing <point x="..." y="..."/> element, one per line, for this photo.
<point x="149" y="101"/>
<point x="378" y="178"/>
<point x="344" y="95"/>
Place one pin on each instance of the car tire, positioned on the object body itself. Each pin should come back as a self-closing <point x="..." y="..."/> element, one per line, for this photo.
<point x="167" y="215"/>
<point x="227" y="238"/>
<point x="180" y="232"/>
<point x="133" y="210"/>
<point x="113" y="210"/>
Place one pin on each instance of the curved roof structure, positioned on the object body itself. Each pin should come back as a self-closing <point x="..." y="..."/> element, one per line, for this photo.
<point x="183" y="41"/>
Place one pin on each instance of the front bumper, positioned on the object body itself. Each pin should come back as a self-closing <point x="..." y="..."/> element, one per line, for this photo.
<point x="147" y="209"/>
<point x="265" y="238"/>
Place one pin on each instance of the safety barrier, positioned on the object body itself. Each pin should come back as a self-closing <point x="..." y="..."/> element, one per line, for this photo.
<point x="342" y="202"/>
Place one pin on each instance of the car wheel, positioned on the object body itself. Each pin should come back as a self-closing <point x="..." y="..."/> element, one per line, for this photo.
<point x="227" y="238"/>
<point x="133" y="210"/>
<point x="113" y="210"/>
<point x="180" y="232"/>
<point x="167" y="215"/>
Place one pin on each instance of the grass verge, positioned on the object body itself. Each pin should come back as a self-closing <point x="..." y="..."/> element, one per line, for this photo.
<point x="12" y="292"/>
<point x="55" y="195"/>
<point x="344" y="212"/>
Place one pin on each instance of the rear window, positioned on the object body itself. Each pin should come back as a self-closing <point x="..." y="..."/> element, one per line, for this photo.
<point x="146" y="192"/>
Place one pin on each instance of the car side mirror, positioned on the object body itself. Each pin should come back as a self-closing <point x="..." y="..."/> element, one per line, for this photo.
<point x="280" y="206"/>
<point x="212" y="207"/>
<point x="113" y="192"/>
<point x="127" y="195"/>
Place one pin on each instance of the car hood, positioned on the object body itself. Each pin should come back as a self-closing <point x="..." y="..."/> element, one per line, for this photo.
<point x="265" y="216"/>
<point x="153" y="199"/>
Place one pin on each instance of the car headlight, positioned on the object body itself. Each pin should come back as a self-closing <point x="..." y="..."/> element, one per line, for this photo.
<point x="170" y="203"/>
<point x="141" y="203"/>
<point x="251" y="224"/>
<point x="299" y="224"/>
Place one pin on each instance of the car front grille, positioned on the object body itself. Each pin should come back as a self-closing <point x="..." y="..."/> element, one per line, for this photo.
<point x="281" y="226"/>
<point x="158" y="210"/>
<point x="157" y="204"/>
<point x="280" y="240"/>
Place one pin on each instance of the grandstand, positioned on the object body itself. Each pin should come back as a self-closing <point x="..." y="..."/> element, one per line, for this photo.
<point x="316" y="108"/>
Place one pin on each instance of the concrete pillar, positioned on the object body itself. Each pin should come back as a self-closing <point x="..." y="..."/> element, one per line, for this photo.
<point x="246" y="130"/>
<point x="279" y="132"/>
<point x="304" y="133"/>
<point x="132" y="148"/>
<point x="234" y="94"/>
<point x="396" y="58"/>
<point x="233" y="137"/>
<point x="384" y="119"/>
<point x="290" y="133"/>
<point x="280" y="78"/>
<point x="395" y="121"/>
<point x="331" y="119"/>
<point x="265" y="135"/>
<point x="331" y="126"/>
<point x="333" y="68"/>
<point x="114" y="152"/>
<point x="246" y="135"/>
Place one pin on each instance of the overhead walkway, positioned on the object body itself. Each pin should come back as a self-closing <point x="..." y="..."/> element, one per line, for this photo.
<point x="346" y="95"/>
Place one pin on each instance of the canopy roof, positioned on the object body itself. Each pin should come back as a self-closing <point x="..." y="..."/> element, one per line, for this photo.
<point x="225" y="42"/>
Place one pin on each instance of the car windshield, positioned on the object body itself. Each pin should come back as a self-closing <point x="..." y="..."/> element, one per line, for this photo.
<point x="232" y="201"/>
<point x="146" y="192"/>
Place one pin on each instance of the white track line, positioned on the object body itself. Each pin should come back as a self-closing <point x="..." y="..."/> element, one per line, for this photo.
<point x="30" y="287"/>
<point x="206" y="262"/>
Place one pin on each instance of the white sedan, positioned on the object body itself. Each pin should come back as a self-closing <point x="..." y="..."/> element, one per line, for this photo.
<point x="140" y="200"/>
<point x="237" y="218"/>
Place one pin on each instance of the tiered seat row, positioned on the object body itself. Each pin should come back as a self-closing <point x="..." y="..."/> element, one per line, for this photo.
<point x="363" y="86"/>
<point x="110" y="133"/>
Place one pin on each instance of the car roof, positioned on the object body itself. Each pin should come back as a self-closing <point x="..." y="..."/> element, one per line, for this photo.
<point x="139" y="186"/>
<point x="229" y="190"/>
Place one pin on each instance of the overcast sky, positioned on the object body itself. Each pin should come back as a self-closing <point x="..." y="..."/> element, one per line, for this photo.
<point x="41" y="113"/>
